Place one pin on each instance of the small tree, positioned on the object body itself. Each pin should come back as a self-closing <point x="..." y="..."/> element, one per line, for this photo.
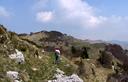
<point x="84" y="53"/>
<point x="73" y="50"/>
<point x="106" y="59"/>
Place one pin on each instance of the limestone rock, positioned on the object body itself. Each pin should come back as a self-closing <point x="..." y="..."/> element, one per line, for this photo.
<point x="18" y="56"/>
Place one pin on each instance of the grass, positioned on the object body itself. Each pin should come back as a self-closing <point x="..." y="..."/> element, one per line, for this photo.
<point x="45" y="67"/>
<point x="64" y="65"/>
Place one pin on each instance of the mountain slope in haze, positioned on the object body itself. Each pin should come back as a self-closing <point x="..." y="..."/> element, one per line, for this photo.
<point x="124" y="44"/>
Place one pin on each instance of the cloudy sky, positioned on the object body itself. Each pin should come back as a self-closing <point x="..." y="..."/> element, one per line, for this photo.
<point x="85" y="19"/>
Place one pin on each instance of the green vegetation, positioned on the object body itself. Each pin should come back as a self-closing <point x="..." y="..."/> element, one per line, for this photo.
<point x="45" y="67"/>
<point x="77" y="56"/>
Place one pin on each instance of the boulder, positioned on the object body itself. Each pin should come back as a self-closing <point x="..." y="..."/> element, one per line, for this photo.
<point x="18" y="56"/>
<point x="60" y="77"/>
<point x="13" y="75"/>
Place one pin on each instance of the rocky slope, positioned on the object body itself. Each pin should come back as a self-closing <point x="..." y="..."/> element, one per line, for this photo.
<point x="104" y="63"/>
<point x="36" y="68"/>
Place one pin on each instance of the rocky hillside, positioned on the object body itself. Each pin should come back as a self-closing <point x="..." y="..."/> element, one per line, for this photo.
<point x="30" y="56"/>
<point x="35" y="68"/>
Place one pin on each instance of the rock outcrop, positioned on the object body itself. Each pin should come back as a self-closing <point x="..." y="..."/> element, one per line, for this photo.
<point x="13" y="75"/>
<point x="18" y="56"/>
<point x="60" y="77"/>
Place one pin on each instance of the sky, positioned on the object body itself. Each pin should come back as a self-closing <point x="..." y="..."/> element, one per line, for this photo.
<point x="83" y="19"/>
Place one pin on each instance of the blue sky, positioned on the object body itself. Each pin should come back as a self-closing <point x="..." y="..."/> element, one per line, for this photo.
<point x="84" y="19"/>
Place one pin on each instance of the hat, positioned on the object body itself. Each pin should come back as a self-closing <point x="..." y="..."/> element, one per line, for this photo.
<point x="57" y="50"/>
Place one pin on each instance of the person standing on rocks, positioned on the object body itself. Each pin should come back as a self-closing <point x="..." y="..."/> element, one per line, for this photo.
<point x="57" y="55"/>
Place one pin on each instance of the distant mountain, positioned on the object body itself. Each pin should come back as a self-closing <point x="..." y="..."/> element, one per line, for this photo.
<point x="124" y="44"/>
<point x="94" y="41"/>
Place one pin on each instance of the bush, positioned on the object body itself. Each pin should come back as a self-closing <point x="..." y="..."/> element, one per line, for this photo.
<point x="106" y="59"/>
<point x="73" y="50"/>
<point x="84" y="53"/>
<point x="3" y="39"/>
<point x="2" y="29"/>
<point x="81" y="68"/>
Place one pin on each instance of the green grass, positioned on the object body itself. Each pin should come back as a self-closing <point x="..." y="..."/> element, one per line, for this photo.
<point x="46" y="67"/>
<point x="64" y="65"/>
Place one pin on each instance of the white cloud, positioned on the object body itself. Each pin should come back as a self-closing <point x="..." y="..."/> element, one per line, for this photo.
<point x="83" y="18"/>
<point x="44" y="16"/>
<point x="78" y="10"/>
<point x="40" y="4"/>
<point x="4" y="12"/>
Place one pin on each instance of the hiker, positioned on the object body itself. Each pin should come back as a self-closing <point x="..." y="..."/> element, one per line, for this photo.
<point x="57" y="56"/>
<point x="36" y="54"/>
<point x="43" y="52"/>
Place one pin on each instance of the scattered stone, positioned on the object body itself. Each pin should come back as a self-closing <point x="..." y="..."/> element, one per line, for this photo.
<point x="67" y="65"/>
<point x="13" y="75"/>
<point x="59" y="71"/>
<point x="72" y="78"/>
<point x="40" y="57"/>
<point x="18" y="56"/>
<point x="17" y="81"/>
<point x="34" y="69"/>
